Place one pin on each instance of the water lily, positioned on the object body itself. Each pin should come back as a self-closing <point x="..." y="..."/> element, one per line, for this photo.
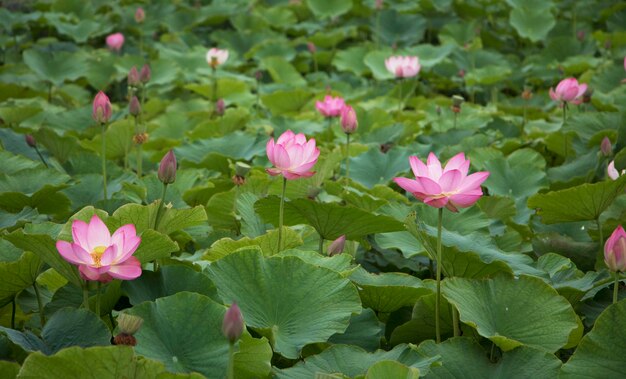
<point x="99" y="255"/>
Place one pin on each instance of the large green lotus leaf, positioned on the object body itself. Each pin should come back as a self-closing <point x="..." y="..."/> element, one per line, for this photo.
<point x="329" y="8"/>
<point x="172" y="220"/>
<point x="391" y="369"/>
<point x="431" y="55"/>
<point x="532" y="19"/>
<point x="375" y="167"/>
<point x="111" y="362"/>
<point x="9" y="370"/>
<point x="44" y="247"/>
<point x="13" y="163"/>
<point x="290" y="301"/>
<point x="282" y="71"/>
<point x="580" y="203"/>
<point x="342" y="263"/>
<point x="600" y="352"/>
<point x="228" y="89"/>
<point x="388" y="292"/>
<point x="83" y="30"/>
<point x="330" y="220"/>
<point x="351" y="59"/>
<point x="67" y="327"/>
<point x="18" y="275"/>
<point x="353" y="361"/>
<point x="268" y="243"/>
<point x="169" y="280"/>
<point x="286" y="101"/>
<point x="462" y="357"/>
<point x="399" y="28"/>
<point x="184" y="331"/>
<point x="55" y="67"/>
<point x="220" y="210"/>
<point x="29" y="181"/>
<point x="488" y="75"/>
<point x="61" y="147"/>
<point x="237" y="145"/>
<point x="251" y="224"/>
<point x="421" y="327"/>
<point x="513" y="312"/>
<point x="365" y="331"/>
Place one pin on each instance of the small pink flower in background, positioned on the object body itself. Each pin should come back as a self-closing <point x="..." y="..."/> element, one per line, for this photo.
<point x="606" y="147"/>
<point x="311" y="47"/>
<point x="133" y="76"/>
<point x="140" y="15"/>
<point x="449" y="187"/>
<point x="615" y="250"/>
<point x="145" y="74"/>
<point x="349" y="122"/>
<point x="403" y="66"/>
<point x="337" y="246"/>
<point x="134" y="107"/>
<point x="98" y="254"/>
<point x="624" y="80"/>
<point x="612" y="171"/>
<point x="232" y="325"/>
<point x="115" y="41"/>
<point x="292" y="155"/>
<point x="101" y="110"/>
<point x="216" y="57"/>
<point x="331" y="106"/>
<point x="568" y="91"/>
<point x="220" y="107"/>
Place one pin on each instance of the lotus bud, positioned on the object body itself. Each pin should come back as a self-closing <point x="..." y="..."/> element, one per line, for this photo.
<point x="145" y="74"/>
<point x="128" y="325"/>
<point x="219" y="107"/>
<point x="311" y="47"/>
<point x="133" y="77"/>
<point x="349" y="122"/>
<point x="527" y="94"/>
<point x="615" y="250"/>
<point x="101" y="111"/>
<point x="580" y="35"/>
<point x="379" y="4"/>
<point x="336" y="247"/>
<point x="167" y="168"/>
<point x="461" y="73"/>
<point x="134" y="108"/>
<point x="258" y="75"/>
<point x="232" y="326"/>
<point x="140" y="15"/>
<point x="30" y="141"/>
<point x="605" y="147"/>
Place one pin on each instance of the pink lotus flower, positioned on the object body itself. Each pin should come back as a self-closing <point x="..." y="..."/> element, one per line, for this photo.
<point x="100" y="256"/>
<point x="568" y="91"/>
<point x="615" y="250"/>
<point x="451" y="187"/>
<point x="101" y="109"/>
<point x="115" y="41"/>
<point x="216" y="57"/>
<point x="403" y="66"/>
<point x="612" y="171"/>
<point x="292" y="155"/>
<point x="140" y="15"/>
<point x="331" y="106"/>
<point x="349" y="122"/>
<point x="337" y="246"/>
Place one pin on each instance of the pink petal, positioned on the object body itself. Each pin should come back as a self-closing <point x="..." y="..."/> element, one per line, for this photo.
<point x="97" y="233"/>
<point x="431" y="187"/>
<point x="464" y="200"/>
<point x="553" y="95"/>
<point x="581" y="90"/>
<point x="458" y="162"/>
<point x="418" y="167"/>
<point x="412" y="186"/>
<point x="273" y="171"/>
<point x="128" y="270"/>
<point x="130" y="246"/>
<point x="281" y="156"/>
<point x="473" y="181"/>
<point x="438" y="202"/>
<point x="109" y="255"/>
<point x="434" y="167"/>
<point x="89" y="273"/>
<point x="79" y="233"/>
<point x="73" y="253"/>
<point x="286" y="136"/>
<point x="450" y="180"/>
<point x="269" y="150"/>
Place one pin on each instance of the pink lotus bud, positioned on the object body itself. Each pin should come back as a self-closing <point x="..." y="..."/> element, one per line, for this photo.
<point x="461" y="73"/>
<point x="615" y="250"/>
<point x="140" y="15"/>
<point x="232" y="326"/>
<point x="606" y="147"/>
<point x="167" y="168"/>
<point x="101" y="112"/>
<point x="379" y="4"/>
<point x="115" y="41"/>
<point x="258" y="75"/>
<point x="220" y="107"/>
<point x="311" y="47"/>
<point x="145" y="74"/>
<point x="133" y="77"/>
<point x="30" y="141"/>
<point x="349" y="122"/>
<point x="134" y="108"/>
<point x="580" y="35"/>
<point x="336" y="247"/>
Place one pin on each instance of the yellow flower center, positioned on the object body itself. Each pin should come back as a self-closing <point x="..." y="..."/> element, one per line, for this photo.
<point x="97" y="255"/>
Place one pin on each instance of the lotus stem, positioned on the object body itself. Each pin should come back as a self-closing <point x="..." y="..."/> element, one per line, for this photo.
<point x="600" y="236"/>
<point x="280" y="214"/>
<point x="564" y="135"/>
<point x="42" y="316"/>
<point x="616" y="287"/>
<point x="157" y="219"/>
<point x="214" y="84"/>
<point x="455" y="117"/>
<point x="13" y="313"/>
<point x="321" y="246"/>
<point x="347" y="157"/>
<point x="401" y="99"/>
<point x="455" y="322"/>
<point x="98" y="299"/>
<point x="41" y="157"/>
<point x="86" y="295"/>
<point x="439" y="263"/>
<point x="104" y="161"/>
<point x="231" y="361"/>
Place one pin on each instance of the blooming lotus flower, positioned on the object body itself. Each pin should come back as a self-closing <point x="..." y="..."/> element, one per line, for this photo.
<point x="98" y="254"/>
<point x="612" y="171"/>
<point x="115" y="41"/>
<point x="292" y="155"/>
<point x="449" y="187"/>
<point x="331" y="106"/>
<point x="403" y="66"/>
<point x="568" y="91"/>
<point x="615" y="250"/>
<point x="216" y="57"/>
<point x="101" y="109"/>
<point x="349" y="122"/>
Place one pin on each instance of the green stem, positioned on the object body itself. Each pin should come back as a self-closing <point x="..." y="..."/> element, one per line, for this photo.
<point x="139" y="159"/>
<point x="86" y="295"/>
<point x="280" y="214"/>
<point x="439" y="264"/>
<point x="231" y="362"/>
<point x="493" y="346"/>
<point x="525" y="117"/>
<point x="214" y="84"/>
<point x="455" y="117"/>
<point x="401" y="99"/>
<point x="41" y="157"/>
<point x="347" y="157"/>
<point x="615" y="287"/>
<point x="600" y="236"/>
<point x="42" y="316"/>
<point x="157" y="219"/>
<point x="315" y="62"/>
<point x="321" y="246"/>
<point x="13" y="312"/>
<point x="98" y="299"/>
<point x="49" y="92"/>
<point x="455" y="322"/>
<point x="565" y="135"/>
<point x="104" y="161"/>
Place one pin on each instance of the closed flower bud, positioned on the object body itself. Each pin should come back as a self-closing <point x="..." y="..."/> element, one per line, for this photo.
<point x="219" y="107"/>
<point x="140" y="15"/>
<point x="145" y="74"/>
<point x="232" y="326"/>
<point x="349" y="122"/>
<point x="30" y="140"/>
<point x="336" y="247"/>
<point x="311" y="47"/>
<point x="167" y="168"/>
<point x="615" y="250"/>
<point x="133" y="77"/>
<point x="134" y="108"/>
<point x="101" y="111"/>
<point x="605" y="147"/>
<point x="258" y="75"/>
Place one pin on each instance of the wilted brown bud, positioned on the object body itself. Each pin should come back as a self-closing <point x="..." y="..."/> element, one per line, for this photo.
<point x="140" y="138"/>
